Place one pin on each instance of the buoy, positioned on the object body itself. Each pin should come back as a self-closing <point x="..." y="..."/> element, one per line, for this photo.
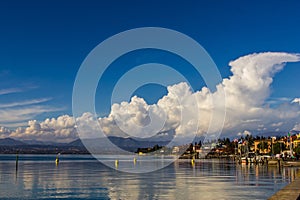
<point x="134" y="160"/>
<point x="57" y="159"/>
<point x="116" y="163"/>
<point x="193" y="161"/>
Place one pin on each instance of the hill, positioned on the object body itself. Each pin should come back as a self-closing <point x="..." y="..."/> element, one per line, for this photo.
<point x="100" y="145"/>
<point x="127" y="144"/>
<point x="11" y="142"/>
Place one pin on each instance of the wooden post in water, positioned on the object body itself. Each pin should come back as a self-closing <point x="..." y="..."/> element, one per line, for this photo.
<point x="57" y="159"/>
<point x="17" y="160"/>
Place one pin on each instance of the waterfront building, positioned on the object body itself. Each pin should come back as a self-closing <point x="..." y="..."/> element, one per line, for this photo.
<point x="297" y="141"/>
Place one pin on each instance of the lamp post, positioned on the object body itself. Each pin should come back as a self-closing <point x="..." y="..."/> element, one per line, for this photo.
<point x="291" y="144"/>
<point x="272" y="143"/>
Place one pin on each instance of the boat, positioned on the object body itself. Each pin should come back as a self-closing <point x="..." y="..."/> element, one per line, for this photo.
<point x="273" y="161"/>
<point x="291" y="163"/>
<point x="249" y="158"/>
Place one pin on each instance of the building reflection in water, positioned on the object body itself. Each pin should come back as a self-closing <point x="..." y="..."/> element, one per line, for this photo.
<point x="208" y="179"/>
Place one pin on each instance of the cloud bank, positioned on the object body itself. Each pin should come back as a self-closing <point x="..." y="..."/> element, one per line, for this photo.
<point x="247" y="109"/>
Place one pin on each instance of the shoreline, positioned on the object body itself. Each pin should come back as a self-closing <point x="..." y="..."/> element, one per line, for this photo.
<point x="291" y="191"/>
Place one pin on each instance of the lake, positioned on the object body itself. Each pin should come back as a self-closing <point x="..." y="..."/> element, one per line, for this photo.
<point x="82" y="177"/>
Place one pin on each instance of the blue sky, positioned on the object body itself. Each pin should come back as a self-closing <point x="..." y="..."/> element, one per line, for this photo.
<point x="43" y="43"/>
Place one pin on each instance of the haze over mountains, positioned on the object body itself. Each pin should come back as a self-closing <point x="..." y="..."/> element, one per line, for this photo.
<point x="9" y="145"/>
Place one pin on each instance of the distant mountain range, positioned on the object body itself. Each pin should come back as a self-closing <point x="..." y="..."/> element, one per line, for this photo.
<point x="276" y="134"/>
<point x="37" y="142"/>
<point x="9" y="145"/>
<point x="11" y="142"/>
<point x="127" y="144"/>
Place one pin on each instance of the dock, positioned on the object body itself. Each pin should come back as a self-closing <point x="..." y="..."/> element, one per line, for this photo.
<point x="291" y="191"/>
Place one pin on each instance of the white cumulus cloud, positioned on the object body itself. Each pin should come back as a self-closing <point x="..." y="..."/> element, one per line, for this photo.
<point x="296" y="100"/>
<point x="61" y="129"/>
<point x="181" y="110"/>
<point x="297" y="127"/>
<point x="4" y="132"/>
<point x="244" y="133"/>
<point x="246" y="106"/>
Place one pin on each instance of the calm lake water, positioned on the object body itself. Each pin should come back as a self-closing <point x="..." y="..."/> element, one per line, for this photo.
<point x="82" y="177"/>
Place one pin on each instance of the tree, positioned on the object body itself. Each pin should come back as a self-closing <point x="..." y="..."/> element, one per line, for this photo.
<point x="156" y="147"/>
<point x="297" y="149"/>
<point x="250" y="140"/>
<point x="277" y="148"/>
<point x="227" y="141"/>
<point x="190" y="148"/>
<point x="257" y="137"/>
<point x="200" y="143"/>
<point x="263" y="145"/>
